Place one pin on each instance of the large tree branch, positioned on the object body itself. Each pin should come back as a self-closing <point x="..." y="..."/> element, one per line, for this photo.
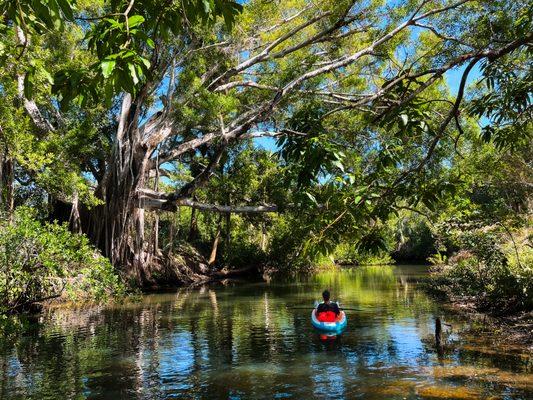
<point x="320" y="36"/>
<point x="288" y="19"/>
<point x="438" y="73"/>
<point x="263" y="55"/>
<point x="345" y="61"/>
<point x="254" y="115"/>
<point x="453" y="113"/>
<point x="150" y="199"/>
<point x="241" y="125"/>
<point x="201" y="178"/>
<point x="263" y="111"/>
<point x="272" y="134"/>
<point x="441" y="35"/>
<point x="42" y="124"/>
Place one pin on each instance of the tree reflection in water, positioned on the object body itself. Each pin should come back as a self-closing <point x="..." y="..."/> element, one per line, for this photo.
<point x="242" y="341"/>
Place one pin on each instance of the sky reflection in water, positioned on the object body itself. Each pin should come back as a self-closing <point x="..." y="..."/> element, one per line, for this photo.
<point x="241" y="341"/>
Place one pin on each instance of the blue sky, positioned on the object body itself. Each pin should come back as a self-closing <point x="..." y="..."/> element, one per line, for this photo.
<point x="453" y="77"/>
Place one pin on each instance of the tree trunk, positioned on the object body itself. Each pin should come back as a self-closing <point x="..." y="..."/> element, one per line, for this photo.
<point x="74" y="219"/>
<point x="178" y="225"/>
<point x="438" y="336"/>
<point x="263" y="237"/>
<point x="155" y="227"/>
<point x="155" y="234"/>
<point x="118" y="226"/>
<point x="228" y="233"/>
<point x="171" y="238"/>
<point x="228" y="229"/>
<point x="193" y="227"/>
<point x="7" y="177"/>
<point x="214" y="248"/>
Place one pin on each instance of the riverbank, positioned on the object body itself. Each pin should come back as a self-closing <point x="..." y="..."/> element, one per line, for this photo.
<point x="513" y="329"/>
<point x="42" y="261"/>
<point x="489" y="279"/>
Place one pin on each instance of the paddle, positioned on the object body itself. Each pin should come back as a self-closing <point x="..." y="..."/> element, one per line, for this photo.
<point x="307" y="308"/>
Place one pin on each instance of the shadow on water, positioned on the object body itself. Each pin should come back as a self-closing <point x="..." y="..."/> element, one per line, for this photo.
<point x="241" y="341"/>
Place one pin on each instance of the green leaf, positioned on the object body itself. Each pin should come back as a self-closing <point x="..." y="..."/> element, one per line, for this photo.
<point x="145" y="61"/>
<point x="66" y="8"/>
<point x="207" y="6"/>
<point x="55" y="15"/>
<point x="313" y="198"/>
<point x="113" y="22"/>
<point x="47" y="76"/>
<point x="135" y="20"/>
<point x="133" y="73"/>
<point x="338" y="164"/>
<point x="28" y="85"/>
<point x="107" y="67"/>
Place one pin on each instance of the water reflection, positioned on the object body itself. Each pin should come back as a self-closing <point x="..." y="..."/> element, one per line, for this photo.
<point x="242" y="341"/>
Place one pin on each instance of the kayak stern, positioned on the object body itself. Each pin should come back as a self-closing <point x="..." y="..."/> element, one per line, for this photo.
<point x="336" y="326"/>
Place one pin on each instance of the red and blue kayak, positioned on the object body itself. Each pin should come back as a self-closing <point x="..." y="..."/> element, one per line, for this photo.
<point x="336" y="326"/>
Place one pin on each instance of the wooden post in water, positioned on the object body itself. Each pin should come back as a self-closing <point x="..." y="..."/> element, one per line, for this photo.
<point x="438" y="335"/>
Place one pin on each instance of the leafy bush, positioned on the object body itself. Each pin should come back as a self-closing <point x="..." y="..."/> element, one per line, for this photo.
<point x="40" y="261"/>
<point x="286" y="250"/>
<point x="351" y="254"/>
<point x="97" y="281"/>
<point x="497" y="273"/>
<point x="414" y="239"/>
<point x="438" y="259"/>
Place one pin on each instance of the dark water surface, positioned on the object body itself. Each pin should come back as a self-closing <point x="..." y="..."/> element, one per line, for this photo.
<point x="241" y="341"/>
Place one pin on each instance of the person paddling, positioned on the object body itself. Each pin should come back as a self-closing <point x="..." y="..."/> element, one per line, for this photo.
<point x="327" y="311"/>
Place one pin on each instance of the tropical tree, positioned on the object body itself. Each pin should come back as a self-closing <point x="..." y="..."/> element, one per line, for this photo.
<point x="353" y="91"/>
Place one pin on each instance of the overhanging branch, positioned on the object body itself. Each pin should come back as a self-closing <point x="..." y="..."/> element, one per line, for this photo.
<point x="152" y="200"/>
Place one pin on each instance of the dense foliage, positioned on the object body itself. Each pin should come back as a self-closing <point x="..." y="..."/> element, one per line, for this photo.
<point x="41" y="261"/>
<point x="491" y="271"/>
<point x="285" y="134"/>
<point x="484" y="236"/>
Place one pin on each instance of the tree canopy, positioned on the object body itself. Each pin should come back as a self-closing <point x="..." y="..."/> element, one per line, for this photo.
<point x="122" y="106"/>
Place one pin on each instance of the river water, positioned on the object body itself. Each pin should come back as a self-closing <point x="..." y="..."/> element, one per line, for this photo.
<point x="244" y="341"/>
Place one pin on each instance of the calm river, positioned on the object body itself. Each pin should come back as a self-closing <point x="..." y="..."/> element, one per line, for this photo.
<point x="242" y="341"/>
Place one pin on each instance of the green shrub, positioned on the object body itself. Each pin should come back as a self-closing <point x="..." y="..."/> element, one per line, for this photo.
<point x="498" y="275"/>
<point x="97" y="281"/>
<point x="39" y="261"/>
<point x="350" y="254"/>
<point x="414" y="239"/>
<point x="286" y="251"/>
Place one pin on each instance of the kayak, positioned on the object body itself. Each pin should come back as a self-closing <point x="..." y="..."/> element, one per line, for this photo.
<point x="336" y="326"/>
